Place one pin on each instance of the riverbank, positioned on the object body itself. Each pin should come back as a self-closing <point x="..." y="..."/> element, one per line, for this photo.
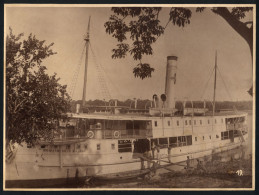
<point x="217" y="174"/>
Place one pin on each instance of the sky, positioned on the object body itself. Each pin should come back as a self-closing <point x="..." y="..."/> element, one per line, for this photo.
<point x="194" y="45"/>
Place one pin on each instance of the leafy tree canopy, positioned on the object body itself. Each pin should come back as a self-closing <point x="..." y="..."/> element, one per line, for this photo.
<point x="34" y="100"/>
<point x="141" y="25"/>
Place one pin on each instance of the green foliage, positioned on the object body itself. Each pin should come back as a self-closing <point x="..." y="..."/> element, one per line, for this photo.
<point x="34" y="99"/>
<point x="240" y="12"/>
<point x="200" y="9"/>
<point x="143" y="70"/>
<point x="180" y="16"/>
<point x="141" y="25"/>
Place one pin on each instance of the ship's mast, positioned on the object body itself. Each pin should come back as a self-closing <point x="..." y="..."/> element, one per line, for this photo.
<point x="87" y="39"/>
<point x="215" y="84"/>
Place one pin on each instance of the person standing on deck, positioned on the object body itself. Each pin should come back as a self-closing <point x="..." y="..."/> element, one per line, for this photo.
<point x="153" y="148"/>
<point x="188" y="163"/>
<point x="200" y="167"/>
<point x="158" y="155"/>
<point x="169" y="154"/>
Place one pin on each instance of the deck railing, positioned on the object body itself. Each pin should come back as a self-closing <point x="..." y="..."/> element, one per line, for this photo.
<point x="107" y="134"/>
<point x="122" y="134"/>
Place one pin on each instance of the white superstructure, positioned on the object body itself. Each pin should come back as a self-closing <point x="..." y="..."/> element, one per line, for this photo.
<point x="111" y="140"/>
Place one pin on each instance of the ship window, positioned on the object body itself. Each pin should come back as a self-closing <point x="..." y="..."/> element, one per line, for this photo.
<point x="201" y="122"/>
<point x="85" y="146"/>
<point x="124" y="146"/>
<point x="173" y="141"/>
<point x="210" y="136"/>
<point x="196" y="139"/>
<point x="68" y="147"/>
<point x="235" y="133"/>
<point x="113" y="146"/>
<point x="190" y="122"/>
<point x="182" y="141"/>
<point x="209" y="121"/>
<point x="189" y="140"/>
<point x="194" y="122"/>
<point x="98" y="146"/>
<point x="224" y="135"/>
<point x="168" y="122"/>
<point x="155" y="123"/>
<point x="163" y="142"/>
<point x="203" y="137"/>
<point x="186" y="123"/>
<point x="177" y="123"/>
<point x="78" y="146"/>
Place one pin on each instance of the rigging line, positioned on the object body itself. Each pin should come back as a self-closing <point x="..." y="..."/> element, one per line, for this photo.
<point x="224" y="84"/>
<point x="73" y="49"/>
<point x="199" y="84"/>
<point x="102" y="82"/>
<point x="206" y="85"/>
<point x="205" y="88"/>
<point x="110" y="80"/>
<point x="76" y="73"/>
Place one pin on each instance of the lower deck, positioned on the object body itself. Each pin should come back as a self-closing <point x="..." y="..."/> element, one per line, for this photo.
<point x="40" y="163"/>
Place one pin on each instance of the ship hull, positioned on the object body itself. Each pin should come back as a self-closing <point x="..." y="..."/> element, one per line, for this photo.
<point x="31" y="175"/>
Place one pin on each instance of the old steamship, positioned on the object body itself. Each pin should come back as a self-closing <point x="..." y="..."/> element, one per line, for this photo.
<point x="105" y="141"/>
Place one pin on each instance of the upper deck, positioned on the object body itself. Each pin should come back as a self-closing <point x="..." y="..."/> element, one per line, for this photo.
<point x="146" y="116"/>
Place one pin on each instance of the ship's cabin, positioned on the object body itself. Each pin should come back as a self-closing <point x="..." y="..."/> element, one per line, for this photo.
<point x="103" y="128"/>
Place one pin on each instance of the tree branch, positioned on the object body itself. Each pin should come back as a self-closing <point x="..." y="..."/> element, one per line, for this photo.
<point x="16" y="106"/>
<point x="237" y="25"/>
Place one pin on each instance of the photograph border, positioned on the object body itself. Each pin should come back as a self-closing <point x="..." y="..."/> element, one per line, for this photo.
<point x="6" y="5"/>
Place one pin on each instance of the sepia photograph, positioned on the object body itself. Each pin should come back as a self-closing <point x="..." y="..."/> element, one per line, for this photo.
<point x="129" y="97"/>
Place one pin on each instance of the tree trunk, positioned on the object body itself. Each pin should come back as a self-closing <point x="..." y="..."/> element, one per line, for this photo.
<point x="240" y="27"/>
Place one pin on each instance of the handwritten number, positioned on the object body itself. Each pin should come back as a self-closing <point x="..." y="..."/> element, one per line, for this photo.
<point x="239" y="172"/>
